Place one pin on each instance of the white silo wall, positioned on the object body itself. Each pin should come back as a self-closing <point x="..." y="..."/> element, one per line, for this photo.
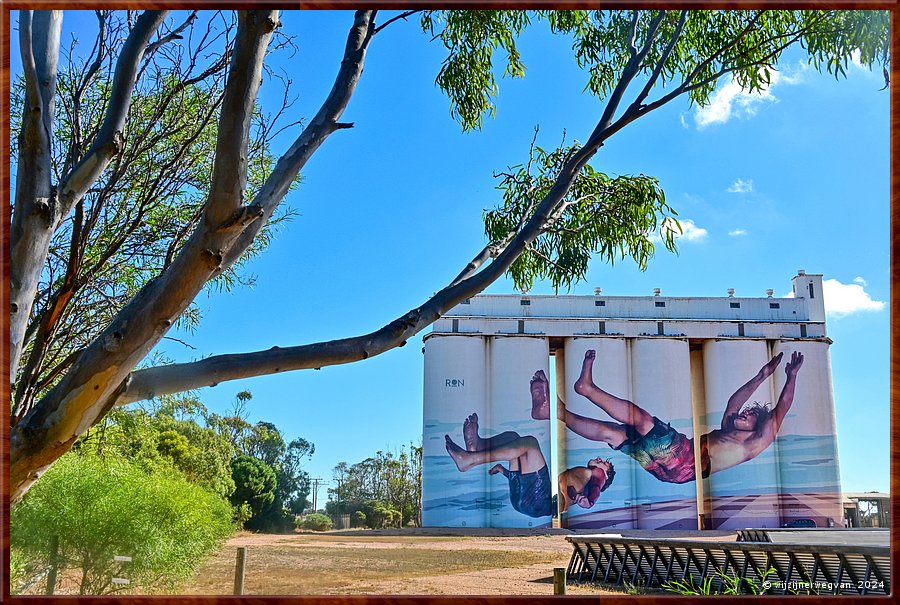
<point x="513" y="362"/>
<point x="744" y="495"/>
<point x="807" y="439"/>
<point x="612" y="373"/>
<point x="698" y="409"/>
<point x="661" y="378"/>
<point x="456" y="385"/>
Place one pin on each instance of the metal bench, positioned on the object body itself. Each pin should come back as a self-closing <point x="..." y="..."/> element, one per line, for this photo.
<point x="795" y="568"/>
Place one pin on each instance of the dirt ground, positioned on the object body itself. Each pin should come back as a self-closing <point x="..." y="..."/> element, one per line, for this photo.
<point x="371" y="563"/>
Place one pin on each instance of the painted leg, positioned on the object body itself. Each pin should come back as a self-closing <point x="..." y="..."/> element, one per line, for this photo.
<point x="525" y="449"/>
<point x="475" y="443"/>
<point x="540" y="396"/>
<point x="620" y="409"/>
<point x="611" y="433"/>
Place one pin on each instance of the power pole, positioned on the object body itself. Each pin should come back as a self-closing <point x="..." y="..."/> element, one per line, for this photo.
<point x="315" y="492"/>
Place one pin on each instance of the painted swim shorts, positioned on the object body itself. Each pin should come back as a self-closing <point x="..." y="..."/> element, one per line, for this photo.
<point x="663" y="452"/>
<point x="530" y="494"/>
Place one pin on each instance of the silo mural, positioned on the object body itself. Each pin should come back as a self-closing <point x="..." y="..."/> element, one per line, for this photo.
<point x="807" y="444"/>
<point x="738" y="440"/>
<point x="455" y="387"/>
<point x="660" y="438"/>
<point x="596" y="483"/>
<point x="519" y="481"/>
<point x="731" y="420"/>
<point x="487" y="433"/>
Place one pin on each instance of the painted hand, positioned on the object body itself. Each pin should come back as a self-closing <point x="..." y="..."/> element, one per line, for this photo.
<point x="769" y="368"/>
<point x="793" y="366"/>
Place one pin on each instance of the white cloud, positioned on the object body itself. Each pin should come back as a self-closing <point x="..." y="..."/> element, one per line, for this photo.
<point x="690" y="232"/>
<point x="737" y="232"/>
<point x="741" y="186"/>
<point x="730" y="101"/>
<point x="846" y="299"/>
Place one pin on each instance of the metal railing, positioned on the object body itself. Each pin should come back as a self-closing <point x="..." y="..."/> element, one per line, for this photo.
<point x="763" y="534"/>
<point x="748" y="567"/>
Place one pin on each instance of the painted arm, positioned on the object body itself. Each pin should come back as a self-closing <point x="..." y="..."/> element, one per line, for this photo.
<point x="740" y="397"/>
<point x="787" y="393"/>
<point x="562" y="496"/>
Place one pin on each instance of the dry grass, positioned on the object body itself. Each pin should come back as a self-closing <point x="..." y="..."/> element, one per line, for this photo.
<point x="369" y="564"/>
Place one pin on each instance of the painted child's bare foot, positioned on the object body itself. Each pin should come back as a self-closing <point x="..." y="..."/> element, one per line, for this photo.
<point x="540" y="396"/>
<point x="497" y="468"/>
<point x="458" y="454"/>
<point x="470" y="433"/>
<point x="585" y="382"/>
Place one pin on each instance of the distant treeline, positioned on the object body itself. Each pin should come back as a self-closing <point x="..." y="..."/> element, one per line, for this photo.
<point x="382" y="491"/>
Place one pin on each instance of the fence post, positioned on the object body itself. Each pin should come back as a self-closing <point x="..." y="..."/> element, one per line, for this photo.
<point x="54" y="564"/>
<point x="559" y="580"/>
<point x="239" y="570"/>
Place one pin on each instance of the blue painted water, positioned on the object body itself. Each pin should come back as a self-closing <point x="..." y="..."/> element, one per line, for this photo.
<point x="474" y="498"/>
<point x="804" y="464"/>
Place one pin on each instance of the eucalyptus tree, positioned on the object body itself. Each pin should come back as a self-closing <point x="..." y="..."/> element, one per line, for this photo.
<point x="556" y="212"/>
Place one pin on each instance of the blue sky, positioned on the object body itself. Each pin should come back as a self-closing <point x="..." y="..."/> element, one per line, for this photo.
<point x="390" y="211"/>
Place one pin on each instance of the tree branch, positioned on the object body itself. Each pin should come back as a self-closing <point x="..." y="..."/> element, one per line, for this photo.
<point x="628" y="74"/>
<point x="319" y="128"/>
<point x="175" y="34"/>
<point x="32" y="86"/>
<point x="397" y="18"/>
<point x="100" y="374"/>
<point x="32" y="221"/>
<point x="657" y="70"/>
<point x="229" y="174"/>
<point x="108" y="141"/>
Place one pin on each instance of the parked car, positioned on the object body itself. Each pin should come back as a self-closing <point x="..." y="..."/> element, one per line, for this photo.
<point x="800" y="523"/>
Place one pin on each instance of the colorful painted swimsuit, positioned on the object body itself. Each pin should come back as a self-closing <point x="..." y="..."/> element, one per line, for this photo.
<point x="529" y="493"/>
<point x="664" y="452"/>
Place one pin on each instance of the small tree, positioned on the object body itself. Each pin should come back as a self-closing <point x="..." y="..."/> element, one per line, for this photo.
<point x="254" y="483"/>
<point x="315" y="522"/>
<point x="102" y="507"/>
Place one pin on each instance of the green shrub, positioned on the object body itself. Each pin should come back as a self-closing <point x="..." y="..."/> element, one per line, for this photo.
<point x="254" y="482"/>
<point x="315" y="522"/>
<point x="727" y="585"/>
<point x="102" y="507"/>
<point x="360" y="518"/>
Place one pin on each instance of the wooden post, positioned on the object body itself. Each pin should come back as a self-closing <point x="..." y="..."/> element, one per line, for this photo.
<point x="239" y="570"/>
<point x="54" y="565"/>
<point x="559" y="580"/>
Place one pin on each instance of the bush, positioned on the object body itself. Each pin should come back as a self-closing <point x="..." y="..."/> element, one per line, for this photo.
<point x="315" y="522"/>
<point x="380" y="514"/>
<point x="360" y="518"/>
<point x="102" y="507"/>
<point x="254" y="482"/>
